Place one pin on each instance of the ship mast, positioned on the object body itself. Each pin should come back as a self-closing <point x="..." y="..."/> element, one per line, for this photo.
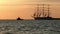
<point x="43" y="10"/>
<point x="48" y="12"/>
<point x="37" y="10"/>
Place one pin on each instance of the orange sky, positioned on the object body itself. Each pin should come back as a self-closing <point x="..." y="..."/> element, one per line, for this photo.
<point x="11" y="9"/>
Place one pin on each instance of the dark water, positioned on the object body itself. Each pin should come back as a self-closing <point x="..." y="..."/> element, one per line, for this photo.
<point x="30" y="27"/>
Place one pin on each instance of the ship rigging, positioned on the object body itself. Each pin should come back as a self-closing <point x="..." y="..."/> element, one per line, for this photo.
<point x="40" y="13"/>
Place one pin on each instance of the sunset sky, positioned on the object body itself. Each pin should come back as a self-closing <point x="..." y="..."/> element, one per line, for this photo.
<point x="11" y="9"/>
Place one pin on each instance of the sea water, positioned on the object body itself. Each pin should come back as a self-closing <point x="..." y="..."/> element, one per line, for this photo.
<point x="29" y="26"/>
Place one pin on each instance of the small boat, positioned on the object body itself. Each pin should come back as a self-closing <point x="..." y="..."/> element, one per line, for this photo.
<point x="19" y="18"/>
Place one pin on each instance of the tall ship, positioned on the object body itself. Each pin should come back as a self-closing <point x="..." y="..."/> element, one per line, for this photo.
<point x="42" y="12"/>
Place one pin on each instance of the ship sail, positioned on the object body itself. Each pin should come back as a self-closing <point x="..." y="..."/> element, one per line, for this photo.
<point x="41" y="14"/>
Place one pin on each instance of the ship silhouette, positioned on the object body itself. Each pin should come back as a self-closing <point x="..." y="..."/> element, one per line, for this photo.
<point x="41" y="14"/>
<point x="19" y="18"/>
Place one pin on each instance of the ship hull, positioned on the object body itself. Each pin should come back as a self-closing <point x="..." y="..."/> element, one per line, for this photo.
<point x="47" y="18"/>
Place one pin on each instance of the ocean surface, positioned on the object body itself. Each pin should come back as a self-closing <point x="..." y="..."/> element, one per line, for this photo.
<point x="29" y="26"/>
